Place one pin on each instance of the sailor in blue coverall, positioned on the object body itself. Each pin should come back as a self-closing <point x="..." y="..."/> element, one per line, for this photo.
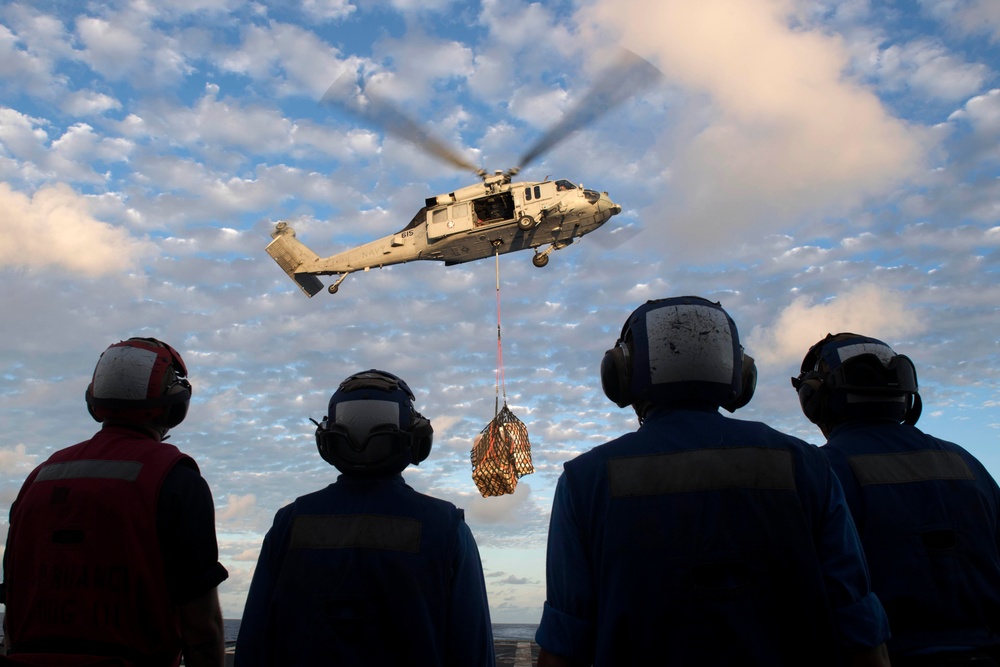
<point x="700" y="539"/>
<point x="925" y="508"/>
<point x="367" y="571"/>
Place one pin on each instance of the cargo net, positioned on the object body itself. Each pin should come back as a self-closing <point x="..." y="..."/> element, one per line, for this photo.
<point x="501" y="454"/>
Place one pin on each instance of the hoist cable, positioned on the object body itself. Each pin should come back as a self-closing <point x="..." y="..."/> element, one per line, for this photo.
<point x="501" y="380"/>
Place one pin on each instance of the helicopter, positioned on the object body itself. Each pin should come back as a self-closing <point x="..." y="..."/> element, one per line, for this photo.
<point x="492" y="217"/>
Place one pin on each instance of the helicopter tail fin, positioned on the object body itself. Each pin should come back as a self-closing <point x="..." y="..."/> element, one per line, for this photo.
<point x="291" y="254"/>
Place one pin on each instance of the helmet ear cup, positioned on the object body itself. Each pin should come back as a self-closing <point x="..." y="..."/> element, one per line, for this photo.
<point x="175" y="414"/>
<point x="813" y="397"/>
<point x="616" y="375"/>
<point x="748" y="384"/>
<point x="423" y="437"/>
<point x="89" y="395"/>
<point x="324" y="442"/>
<point x="913" y="410"/>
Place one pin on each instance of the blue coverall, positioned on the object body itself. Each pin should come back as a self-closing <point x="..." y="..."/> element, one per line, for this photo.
<point x="927" y="513"/>
<point x="367" y="572"/>
<point x="704" y="540"/>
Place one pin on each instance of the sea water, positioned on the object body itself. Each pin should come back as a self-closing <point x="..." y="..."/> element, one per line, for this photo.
<point x="508" y="631"/>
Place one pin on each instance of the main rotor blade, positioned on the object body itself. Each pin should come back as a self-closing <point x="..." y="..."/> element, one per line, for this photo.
<point x="630" y="75"/>
<point x="388" y="117"/>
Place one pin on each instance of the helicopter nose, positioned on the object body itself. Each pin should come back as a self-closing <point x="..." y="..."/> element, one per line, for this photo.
<point x="608" y="205"/>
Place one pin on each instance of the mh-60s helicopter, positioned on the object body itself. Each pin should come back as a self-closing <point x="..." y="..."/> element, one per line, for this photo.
<point x="493" y="217"/>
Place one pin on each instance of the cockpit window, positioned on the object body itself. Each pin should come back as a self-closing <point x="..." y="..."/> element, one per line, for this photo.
<point x="565" y="185"/>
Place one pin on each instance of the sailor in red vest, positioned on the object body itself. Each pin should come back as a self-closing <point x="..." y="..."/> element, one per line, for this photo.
<point x="111" y="556"/>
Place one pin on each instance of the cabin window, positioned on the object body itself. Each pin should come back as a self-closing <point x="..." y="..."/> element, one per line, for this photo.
<point x="538" y="191"/>
<point x="459" y="211"/>
<point x="440" y="215"/>
<point x="565" y="185"/>
<point x="527" y="194"/>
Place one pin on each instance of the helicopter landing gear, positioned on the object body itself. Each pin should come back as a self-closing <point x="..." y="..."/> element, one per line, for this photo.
<point x="541" y="258"/>
<point x="332" y="289"/>
<point x="525" y="222"/>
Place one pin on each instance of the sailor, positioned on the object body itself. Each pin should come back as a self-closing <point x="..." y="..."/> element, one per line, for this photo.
<point x="112" y="550"/>
<point x="367" y="571"/>
<point x="700" y="539"/>
<point x="926" y="509"/>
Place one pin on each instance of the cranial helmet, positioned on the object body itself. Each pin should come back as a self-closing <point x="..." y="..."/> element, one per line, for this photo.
<point x="140" y="380"/>
<point x="372" y="427"/>
<point x="678" y="350"/>
<point x="847" y="377"/>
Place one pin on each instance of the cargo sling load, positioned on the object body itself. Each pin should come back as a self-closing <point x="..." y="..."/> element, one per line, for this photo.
<point x="501" y="453"/>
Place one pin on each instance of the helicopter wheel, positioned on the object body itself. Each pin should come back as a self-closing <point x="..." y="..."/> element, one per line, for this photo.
<point x="540" y="260"/>
<point x="525" y="222"/>
<point x="332" y="289"/>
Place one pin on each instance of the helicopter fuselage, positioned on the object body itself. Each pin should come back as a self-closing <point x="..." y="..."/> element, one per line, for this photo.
<point x="479" y="221"/>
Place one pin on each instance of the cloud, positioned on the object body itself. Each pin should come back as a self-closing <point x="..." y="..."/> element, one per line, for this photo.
<point x="89" y="103"/>
<point x="928" y="67"/>
<point x="53" y="228"/>
<point x="969" y="16"/>
<point x="867" y="309"/>
<point x="754" y="135"/>
<point x="247" y="556"/>
<point x="17" y="460"/>
<point x="983" y="112"/>
<point x="111" y="49"/>
<point x="238" y="507"/>
<point x="779" y="132"/>
<point x="328" y="10"/>
<point x="495" y="578"/>
<point x="501" y="510"/>
<point x="294" y="60"/>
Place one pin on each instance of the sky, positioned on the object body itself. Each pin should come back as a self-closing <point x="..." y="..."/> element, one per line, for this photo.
<point x="814" y="165"/>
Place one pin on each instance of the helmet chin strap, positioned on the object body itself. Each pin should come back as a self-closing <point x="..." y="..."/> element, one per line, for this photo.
<point x="641" y="408"/>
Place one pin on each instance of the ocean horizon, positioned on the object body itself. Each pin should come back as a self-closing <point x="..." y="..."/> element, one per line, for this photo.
<point x="501" y="631"/>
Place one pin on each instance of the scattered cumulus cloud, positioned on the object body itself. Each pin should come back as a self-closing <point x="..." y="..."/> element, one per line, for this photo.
<point x="56" y="230"/>
<point x="89" y="103"/>
<point x="17" y="460"/>
<point x="238" y="507"/>
<point x="328" y="10"/>
<point x="983" y="112"/>
<point x="798" y="158"/>
<point x="976" y="17"/>
<point x="930" y="69"/>
<point x="867" y="309"/>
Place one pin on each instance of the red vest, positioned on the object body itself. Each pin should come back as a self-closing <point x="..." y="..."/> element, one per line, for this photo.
<point x="84" y="566"/>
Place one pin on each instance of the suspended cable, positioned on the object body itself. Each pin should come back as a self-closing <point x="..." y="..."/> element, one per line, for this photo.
<point x="501" y="453"/>
<point x="501" y="379"/>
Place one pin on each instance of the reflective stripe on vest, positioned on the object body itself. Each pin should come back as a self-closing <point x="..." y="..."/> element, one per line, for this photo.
<point x="702" y="470"/>
<point x="369" y="531"/>
<point x="908" y="467"/>
<point x="90" y="469"/>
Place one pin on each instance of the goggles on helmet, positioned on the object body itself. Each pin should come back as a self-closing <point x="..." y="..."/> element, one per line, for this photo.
<point x="380" y="440"/>
<point x="866" y="373"/>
